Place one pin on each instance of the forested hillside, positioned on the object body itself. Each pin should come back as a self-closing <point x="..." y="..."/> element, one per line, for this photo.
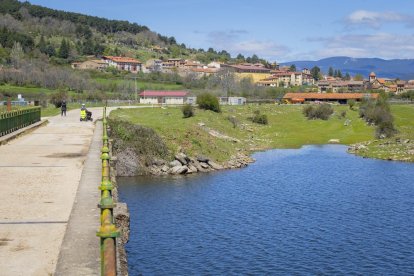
<point x="38" y="44"/>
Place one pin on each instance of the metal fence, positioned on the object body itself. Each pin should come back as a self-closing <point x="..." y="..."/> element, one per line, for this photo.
<point x="108" y="231"/>
<point x="14" y="120"/>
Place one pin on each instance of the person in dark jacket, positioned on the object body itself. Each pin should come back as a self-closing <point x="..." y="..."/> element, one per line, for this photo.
<point x="63" y="109"/>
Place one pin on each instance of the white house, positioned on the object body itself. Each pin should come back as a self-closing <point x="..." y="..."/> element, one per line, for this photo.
<point x="163" y="97"/>
<point x="232" y="100"/>
<point x="124" y="63"/>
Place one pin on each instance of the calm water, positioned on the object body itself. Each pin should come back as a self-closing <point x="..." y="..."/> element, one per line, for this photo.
<point x="317" y="210"/>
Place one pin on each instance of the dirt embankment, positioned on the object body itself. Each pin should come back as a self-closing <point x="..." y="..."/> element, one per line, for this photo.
<point x="141" y="151"/>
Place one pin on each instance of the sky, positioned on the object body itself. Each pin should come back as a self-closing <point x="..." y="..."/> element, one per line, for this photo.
<point x="275" y="30"/>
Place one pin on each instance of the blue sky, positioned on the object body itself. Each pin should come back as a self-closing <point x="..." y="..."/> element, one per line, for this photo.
<point x="276" y="30"/>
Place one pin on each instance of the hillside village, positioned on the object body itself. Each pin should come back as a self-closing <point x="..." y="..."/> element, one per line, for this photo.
<point x="258" y="73"/>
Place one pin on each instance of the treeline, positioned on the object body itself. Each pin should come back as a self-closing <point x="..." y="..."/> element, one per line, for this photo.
<point x="103" y="25"/>
<point x="8" y="38"/>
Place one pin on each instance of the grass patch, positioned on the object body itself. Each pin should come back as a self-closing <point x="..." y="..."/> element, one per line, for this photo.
<point x="287" y="128"/>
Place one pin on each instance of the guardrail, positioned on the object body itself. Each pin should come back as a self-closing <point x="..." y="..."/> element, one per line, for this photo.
<point x="14" y="120"/>
<point x="108" y="231"/>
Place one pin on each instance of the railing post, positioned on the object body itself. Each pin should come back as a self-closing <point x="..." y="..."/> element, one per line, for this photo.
<point x="108" y="231"/>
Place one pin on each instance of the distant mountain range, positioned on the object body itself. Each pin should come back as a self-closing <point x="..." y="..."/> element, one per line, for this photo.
<point x="393" y="68"/>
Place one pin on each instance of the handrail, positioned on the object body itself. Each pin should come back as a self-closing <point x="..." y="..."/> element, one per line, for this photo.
<point x="108" y="231"/>
<point x="13" y="120"/>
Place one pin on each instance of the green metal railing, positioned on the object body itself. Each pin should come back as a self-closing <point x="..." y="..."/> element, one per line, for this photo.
<point x="108" y="231"/>
<point x="14" y="120"/>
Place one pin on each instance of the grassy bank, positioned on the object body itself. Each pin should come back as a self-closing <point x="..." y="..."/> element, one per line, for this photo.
<point x="399" y="147"/>
<point x="287" y="128"/>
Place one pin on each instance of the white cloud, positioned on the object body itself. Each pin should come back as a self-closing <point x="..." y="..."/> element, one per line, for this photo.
<point x="235" y="42"/>
<point x="377" y="19"/>
<point x="382" y="45"/>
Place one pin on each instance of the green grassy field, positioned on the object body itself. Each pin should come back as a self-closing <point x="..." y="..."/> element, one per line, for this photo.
<point x="287" y="128"/>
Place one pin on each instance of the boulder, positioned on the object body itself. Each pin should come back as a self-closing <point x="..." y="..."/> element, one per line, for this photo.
<point x="165" y="168"/>
<point x="334" y="141"/>
<point x="192" y="168"/>
<point x="182" y="158"/>
<point x="196" y="164"/>
<point x="203" y="159"/>
<point x="215" y="165"/>
<point x="175" y="163"/>
<point x="158" y="162"/>
<point x="178" y="170"/>
<point x="204" y="165"/>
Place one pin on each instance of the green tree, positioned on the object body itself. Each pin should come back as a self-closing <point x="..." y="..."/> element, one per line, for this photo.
<point x="42" y="45"/>
<point x="64" y="49"/>
<point x="335" y="73"/>
<point x="240" y="58"/>
<point x="339" y="74"/>
<point x="255" y="59"/>
<point x="208" y="101"/>
<point x="358" y="77"/>
<point x="347" y="76"/>
<point x="292" y="68"/>
<point x="315" y="72"/>
<point x="331" y="72"/>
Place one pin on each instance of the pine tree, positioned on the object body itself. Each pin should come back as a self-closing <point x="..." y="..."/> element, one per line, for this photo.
<point x="347" y="76"/>
<point x="335" y="73"/>
<point x="331" y="72"/>
<point x="42" y="45"/>
<point x="64" y="49"/>
<point x="339" y="74"/>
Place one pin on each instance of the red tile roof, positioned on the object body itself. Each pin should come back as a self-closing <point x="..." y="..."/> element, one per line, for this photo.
<point x="329" y="96"/>
<point x="163" y="93"/>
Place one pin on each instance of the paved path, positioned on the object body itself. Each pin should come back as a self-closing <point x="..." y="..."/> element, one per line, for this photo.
<point x="40" y="174"/>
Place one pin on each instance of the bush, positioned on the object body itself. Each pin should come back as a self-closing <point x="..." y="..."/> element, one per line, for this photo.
<point x="208" y="101"/>
<point x="188" y="111"/>
<point x="377" y="112"/>
<point x="259" y="118"/>
<point x="323" y="111"/>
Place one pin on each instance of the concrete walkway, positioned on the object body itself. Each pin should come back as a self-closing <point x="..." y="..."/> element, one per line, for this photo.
<point x="40" y="174"/>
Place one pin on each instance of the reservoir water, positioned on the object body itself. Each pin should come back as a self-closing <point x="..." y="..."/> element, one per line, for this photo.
<point x="316" y="210"/>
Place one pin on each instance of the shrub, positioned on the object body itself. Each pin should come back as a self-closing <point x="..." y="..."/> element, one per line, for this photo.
<point x="188" y="111"/>
<point x="323" y="111"/>
<point x="351" y="104"/>
<point x="377" y="112"/>
<point x="259" y="118"/>
<point x="208" y="101"/>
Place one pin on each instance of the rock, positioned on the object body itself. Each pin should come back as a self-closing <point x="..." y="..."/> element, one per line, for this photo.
<point x="165" y="168"/>
<point x="197" y="165"/>
<point x="158" y="162"/>
<point x="334" y="141"/>
<point x="192" y="168"/>
<point x="204" y="165"/>
<point x="182" y="158"/>
<point x="175" y="163"/>
<point x="154" y="170"/>
<point x="203" y="159"/>
<point x="411" y="152"/>
<point x="178" y="170"/>
<point x="128" y="163"/>
<point x="201" y="124"/>
<point x="406" y="141"/>
<point x="215" y="165"/>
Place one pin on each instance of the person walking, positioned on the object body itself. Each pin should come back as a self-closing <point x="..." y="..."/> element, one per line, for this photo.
<point x="63" y="108"/>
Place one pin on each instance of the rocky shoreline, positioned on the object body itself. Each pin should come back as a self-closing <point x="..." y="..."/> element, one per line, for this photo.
<point x="128" y="164"/>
